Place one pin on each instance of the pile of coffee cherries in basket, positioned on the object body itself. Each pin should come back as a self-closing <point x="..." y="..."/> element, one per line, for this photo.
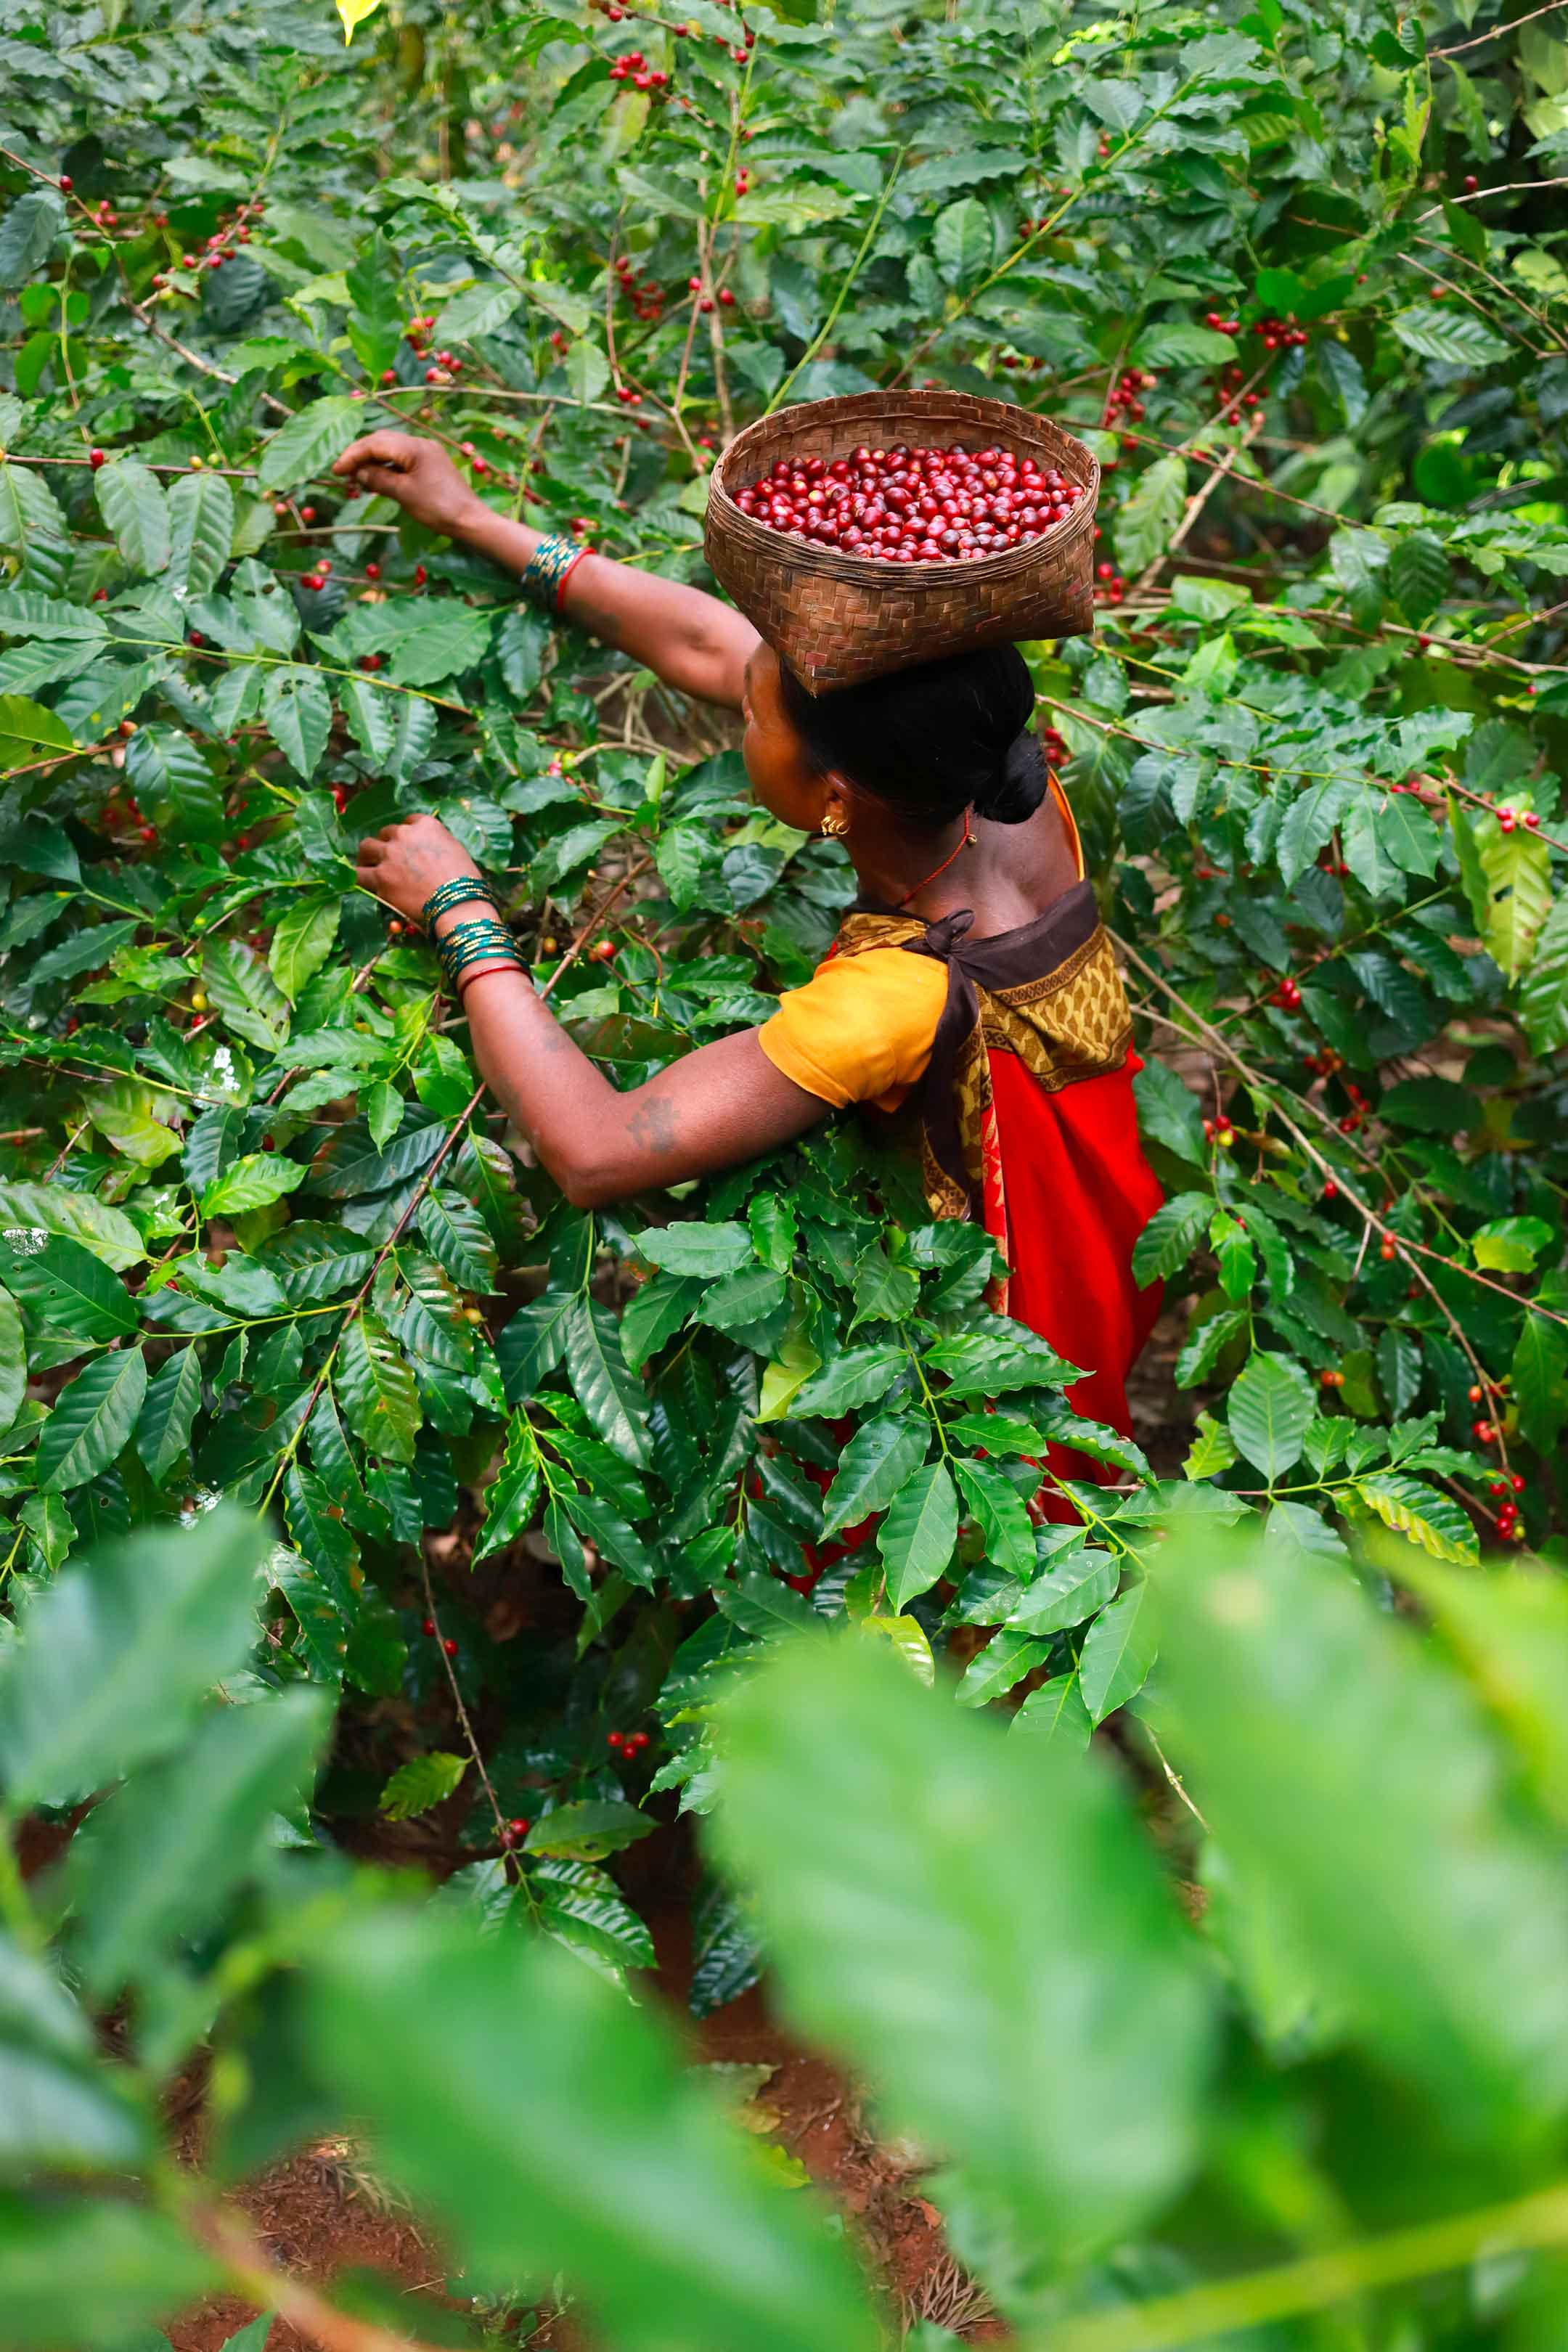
<point x="905" y="505"/>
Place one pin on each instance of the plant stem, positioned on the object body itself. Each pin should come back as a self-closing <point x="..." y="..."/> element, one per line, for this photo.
<point x="1319" y="2281"/>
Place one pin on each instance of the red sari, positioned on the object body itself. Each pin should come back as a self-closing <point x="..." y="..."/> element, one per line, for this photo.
<point x="1027" y="1124"/>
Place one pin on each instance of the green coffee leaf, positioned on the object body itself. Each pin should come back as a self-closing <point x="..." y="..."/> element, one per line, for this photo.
<point x="519" y="2182"/>
<point x="876" y="1463"/>
<point x="961" y="1865"/>
<point x="130" y="501"/>
<point x="1269" y="1410"/>
<point x="90" y="1420"/>
<point x="120" y="1650"/>
<point x="423" y="1782"/>
<point x="917" y="1536"/>
<point x="377" y="1390"/>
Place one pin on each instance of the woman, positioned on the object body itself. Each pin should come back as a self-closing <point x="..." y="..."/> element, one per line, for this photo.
<point x="972" y="980"/>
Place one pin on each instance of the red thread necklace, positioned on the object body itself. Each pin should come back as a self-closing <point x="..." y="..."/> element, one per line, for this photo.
<point x="967" y="843"/>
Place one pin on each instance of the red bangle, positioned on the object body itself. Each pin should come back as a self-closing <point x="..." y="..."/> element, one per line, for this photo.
<point x="483" y="972"/>
<point x="561" y="584"/>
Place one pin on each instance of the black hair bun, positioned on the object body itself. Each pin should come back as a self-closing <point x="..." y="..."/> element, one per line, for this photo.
<point x="1020" y="786"/>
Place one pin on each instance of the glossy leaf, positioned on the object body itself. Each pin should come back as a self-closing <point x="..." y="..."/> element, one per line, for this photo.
<point x="503" y="2125"/>
<point x="119" y="1650"/>
<point x="160" y="1859"/>
<point x="917" y="1536"/>
<point x="875" y="1464"/>
<point x="1269" y="1410"/>
<point x="377" y="1390"/>
<point x="1278" y="1681"/>
<point x="90" y="1421"/>
<point x="964" y="1905"/>
<point x="168" y="1413"/>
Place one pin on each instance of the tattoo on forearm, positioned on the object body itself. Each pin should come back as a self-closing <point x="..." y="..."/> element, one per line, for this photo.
<point x="653" y="1124"/>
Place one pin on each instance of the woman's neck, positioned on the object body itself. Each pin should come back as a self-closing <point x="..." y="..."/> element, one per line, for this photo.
<point x="1009" y="873"/>
<point x="913" y="871"/>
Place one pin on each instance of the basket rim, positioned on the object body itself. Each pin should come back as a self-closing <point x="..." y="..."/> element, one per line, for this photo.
<point x="723" y="514"/>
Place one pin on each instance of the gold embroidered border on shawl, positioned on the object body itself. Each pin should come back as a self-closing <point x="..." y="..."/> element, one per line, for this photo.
<point x="1072" y="1023"/>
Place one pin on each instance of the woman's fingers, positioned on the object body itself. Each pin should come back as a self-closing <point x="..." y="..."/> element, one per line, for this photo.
<point x="387" y="479"/>
<point x="394" y="449"/>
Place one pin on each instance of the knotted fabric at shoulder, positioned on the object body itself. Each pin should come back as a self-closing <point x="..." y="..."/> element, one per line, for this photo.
<point x="1049" y="992"/>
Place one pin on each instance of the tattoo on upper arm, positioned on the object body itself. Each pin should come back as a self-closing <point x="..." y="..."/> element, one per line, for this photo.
<point x="653" y="1124"/>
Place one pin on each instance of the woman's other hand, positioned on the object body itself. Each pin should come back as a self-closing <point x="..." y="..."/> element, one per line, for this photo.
<point x="404" y="863"/>
<point x="419" y="473"/>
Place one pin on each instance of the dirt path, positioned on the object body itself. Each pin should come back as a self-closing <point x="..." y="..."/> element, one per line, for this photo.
<point x="324" y="2215"/>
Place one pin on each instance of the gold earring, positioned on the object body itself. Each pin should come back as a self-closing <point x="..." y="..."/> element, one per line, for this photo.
<point x="833" y="826"/>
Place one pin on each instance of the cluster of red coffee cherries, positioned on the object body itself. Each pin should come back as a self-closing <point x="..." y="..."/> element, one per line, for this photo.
<point x="1508" y="1519"/>
<point x="1358" y="1113"/>
<point x="628" y="1743"/>
<point x="1230" y="396"/>
<point x="1510" y="818"/>
<point x="1325" y="1064"/>
<point x="1054" y="744"/>
<point x="1288" y="996"/>
<point x="1331" y="1380"/>
<point x="646" y="298"/>
<point x="221" y="246"/>
<point x="427" y="1627"/>
<point x="1123" y="397"/>
<point x="445" y="367"/>
<point x="515" y="1831"/>
<point x="635" y="68"/>
<point x="1280" y="334"/>
<point x="905" y="505"/>
<point x="1110" y="587"/>
<point x="130" y="814"/>
<point x="616" y="14"/>
<point x="1220" y="1132"/>
<point x="705" y="300"/>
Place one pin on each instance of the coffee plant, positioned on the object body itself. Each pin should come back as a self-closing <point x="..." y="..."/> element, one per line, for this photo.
<point x="539" y="1484"/>
<point x="1333" y="2117"/>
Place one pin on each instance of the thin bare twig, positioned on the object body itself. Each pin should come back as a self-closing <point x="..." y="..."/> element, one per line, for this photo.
<point x="1479" y="40"/>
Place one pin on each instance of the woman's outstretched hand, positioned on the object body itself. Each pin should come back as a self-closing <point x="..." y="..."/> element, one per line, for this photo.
<point x="404" y="863"/>
<point x="419" y="473"/>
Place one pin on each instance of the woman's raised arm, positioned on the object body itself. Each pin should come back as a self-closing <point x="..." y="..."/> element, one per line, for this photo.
<point x="690" y="639"/>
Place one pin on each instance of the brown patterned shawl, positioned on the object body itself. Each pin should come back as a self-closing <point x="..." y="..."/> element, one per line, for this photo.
<point x="1049" y="992"/>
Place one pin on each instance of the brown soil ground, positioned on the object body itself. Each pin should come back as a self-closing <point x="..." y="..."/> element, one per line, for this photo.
<point x="323" y="2215"/>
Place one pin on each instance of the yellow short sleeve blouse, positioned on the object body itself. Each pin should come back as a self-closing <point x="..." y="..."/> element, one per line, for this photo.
<point x="861" y="1029"/>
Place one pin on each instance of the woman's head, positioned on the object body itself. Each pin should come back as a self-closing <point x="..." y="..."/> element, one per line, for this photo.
<point x="927" y="743"/>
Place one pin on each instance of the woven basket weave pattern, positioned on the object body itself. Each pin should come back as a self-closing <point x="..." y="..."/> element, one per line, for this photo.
<point x="836" y="618"/>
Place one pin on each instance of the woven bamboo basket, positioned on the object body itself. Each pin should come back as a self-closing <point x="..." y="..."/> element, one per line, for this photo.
<point x="836" y="618"/>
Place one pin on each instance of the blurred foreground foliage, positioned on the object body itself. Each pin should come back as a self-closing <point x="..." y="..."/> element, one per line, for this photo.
<point x="1326" y="2107"/>
<point x="535" y="1477"/>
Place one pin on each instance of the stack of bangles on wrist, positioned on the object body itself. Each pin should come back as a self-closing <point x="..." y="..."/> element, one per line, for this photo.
<point x="548" y="569"/>
<point x="484" y="941"/>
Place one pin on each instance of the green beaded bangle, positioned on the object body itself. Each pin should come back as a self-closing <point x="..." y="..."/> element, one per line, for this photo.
<point x="462" y="887"/>
<point x="544" y="575"/>
<point x="482" y="942"/>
